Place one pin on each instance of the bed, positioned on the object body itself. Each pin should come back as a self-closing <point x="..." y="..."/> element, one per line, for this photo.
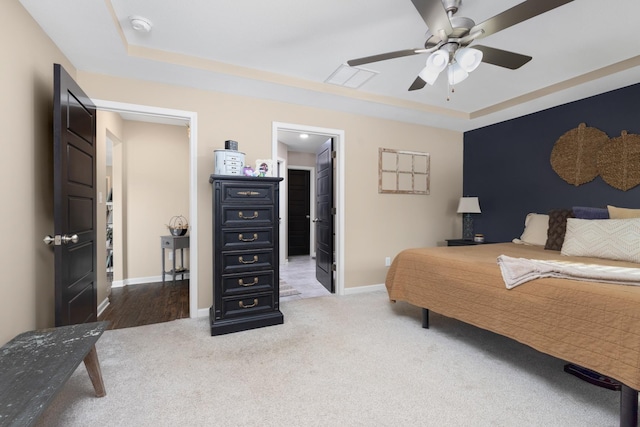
<point x="591" y="324"/>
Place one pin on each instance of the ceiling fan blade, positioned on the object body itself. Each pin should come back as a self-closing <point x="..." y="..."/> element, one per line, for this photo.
<point x="522" y="12"/>
<point x="434" y="15"/>
<point x="502" y="58"/>
<point x="417" y="84"/>
<point x="384" y="56"/>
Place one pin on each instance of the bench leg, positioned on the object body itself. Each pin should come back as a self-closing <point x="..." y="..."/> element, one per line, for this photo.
<point x="92" y="364"/>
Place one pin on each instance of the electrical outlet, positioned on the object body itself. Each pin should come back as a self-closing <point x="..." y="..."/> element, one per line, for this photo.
<point x="387" y="261"/>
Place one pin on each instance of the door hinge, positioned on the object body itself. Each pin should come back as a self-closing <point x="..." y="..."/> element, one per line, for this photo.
<point x="333" y="155"/>
<point x="333" y="267"/>
<point x="333" y="211"/>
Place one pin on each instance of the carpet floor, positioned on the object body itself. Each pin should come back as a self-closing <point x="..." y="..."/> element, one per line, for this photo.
<point x="355" y="360"/>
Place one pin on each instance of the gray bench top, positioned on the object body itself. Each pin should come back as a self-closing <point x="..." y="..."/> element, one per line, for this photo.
<point x="35" y="365"/>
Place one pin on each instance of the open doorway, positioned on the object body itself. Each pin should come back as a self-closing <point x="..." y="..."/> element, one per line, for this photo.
<point x="188" y="120"/>
<point x="295" y="154"/>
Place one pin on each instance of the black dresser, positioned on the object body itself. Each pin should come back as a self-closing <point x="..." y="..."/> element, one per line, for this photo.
<point x="245" y="254"/>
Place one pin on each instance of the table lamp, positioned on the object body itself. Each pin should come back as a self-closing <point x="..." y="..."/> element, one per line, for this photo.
<point x="468" y="206"/>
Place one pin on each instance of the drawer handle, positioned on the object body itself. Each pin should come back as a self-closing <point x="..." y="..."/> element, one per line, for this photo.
<point x="241" y="215"/>
<point x="255" y="302"/>
<point x="242" y="239"/>
<point x="241" y="282"/>
<point x="242" y="261"/>
<point x="248" y="193"/>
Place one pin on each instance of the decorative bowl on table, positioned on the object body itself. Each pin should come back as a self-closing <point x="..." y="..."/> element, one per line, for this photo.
<point x="178" y="226"/>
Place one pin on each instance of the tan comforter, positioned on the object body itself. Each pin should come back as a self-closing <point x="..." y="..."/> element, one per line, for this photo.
<point x="595" y="325"/>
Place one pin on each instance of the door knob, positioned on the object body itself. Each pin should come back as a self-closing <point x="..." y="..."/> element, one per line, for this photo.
<point x="73" y="239"/>
<point x="317" y="220"/>
<point x="58" y="240"/>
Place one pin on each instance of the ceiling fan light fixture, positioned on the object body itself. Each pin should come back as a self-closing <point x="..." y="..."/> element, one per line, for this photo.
<point x="456" y="74"/>
<point x="428" y="75"/>
<point x="438" y="61"/>
<point x="468" y="58"/>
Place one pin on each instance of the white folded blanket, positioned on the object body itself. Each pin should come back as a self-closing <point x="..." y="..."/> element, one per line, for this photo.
<point x="516" y="271"/>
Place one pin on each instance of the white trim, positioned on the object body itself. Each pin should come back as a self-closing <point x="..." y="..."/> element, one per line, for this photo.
<point x="364" y="289"/>
<point x="202" y="312"/>
<point x="103" y="306"/>
<point x="192" y="118"/>
<point x="168" y="278"/>
<point x="339" y="147"/>
<point x="284" y="209"/>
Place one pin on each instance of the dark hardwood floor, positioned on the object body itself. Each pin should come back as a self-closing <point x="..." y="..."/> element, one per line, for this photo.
<point x="144" y="304"/>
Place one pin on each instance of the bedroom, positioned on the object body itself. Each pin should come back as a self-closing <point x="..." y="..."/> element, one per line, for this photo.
<point x="26" y="295"/>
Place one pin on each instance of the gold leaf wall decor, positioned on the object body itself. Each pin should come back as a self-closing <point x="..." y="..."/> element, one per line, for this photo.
<point x="575" y="154"/>
<point x="619" y="161"/>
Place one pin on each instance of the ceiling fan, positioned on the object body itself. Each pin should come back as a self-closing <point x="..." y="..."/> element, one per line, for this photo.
<point x="449" y="36"/>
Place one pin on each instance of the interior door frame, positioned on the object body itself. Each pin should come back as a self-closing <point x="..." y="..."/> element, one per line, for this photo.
<point x="339" y="192"/>
<point x="192" y="118"/>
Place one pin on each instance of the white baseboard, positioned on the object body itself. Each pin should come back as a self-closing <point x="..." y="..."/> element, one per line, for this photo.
<point x="204" y="312"/>
<point x="143" y="280"/>
<point x="363" y="289"/>
<point x="103" y="306"/>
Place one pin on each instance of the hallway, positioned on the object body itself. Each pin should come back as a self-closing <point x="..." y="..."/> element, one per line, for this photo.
<point x="300" y="273"/>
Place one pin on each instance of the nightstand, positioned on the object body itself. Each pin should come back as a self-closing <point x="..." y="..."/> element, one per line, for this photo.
<point x="463" y="242"/>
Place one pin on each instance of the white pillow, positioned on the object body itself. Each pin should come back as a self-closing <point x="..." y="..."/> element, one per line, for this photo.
<point x="535" y="230"/>
<point x="617" y="239"/>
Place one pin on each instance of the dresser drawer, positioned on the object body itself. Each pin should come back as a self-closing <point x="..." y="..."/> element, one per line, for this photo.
<point x="251" y="282"/>
<point x="246" y="305"/>
<point x="241" y="192"/>
<point x="243" y="261"/>
<point x="247" y="216"/>
<point x="246" y="238"/>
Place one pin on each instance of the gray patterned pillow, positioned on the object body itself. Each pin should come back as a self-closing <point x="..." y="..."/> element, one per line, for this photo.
<point x="617" y="239"/>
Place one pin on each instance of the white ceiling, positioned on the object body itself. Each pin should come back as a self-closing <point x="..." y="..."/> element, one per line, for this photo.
<point x="285" y="50"/>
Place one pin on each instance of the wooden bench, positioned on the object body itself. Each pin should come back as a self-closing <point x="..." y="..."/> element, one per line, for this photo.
<point x="35" y="365"/>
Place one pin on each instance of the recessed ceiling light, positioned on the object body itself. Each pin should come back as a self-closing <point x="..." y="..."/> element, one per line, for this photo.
<point x="304" y="135"/>
<point x="140" y="24"/>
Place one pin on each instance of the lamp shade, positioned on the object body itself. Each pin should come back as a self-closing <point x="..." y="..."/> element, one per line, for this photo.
<point x="469" y="205"/>
<point x="456" y="74"/>
<point x="429" y="76"/>
<point x="436" y="62"/>
<point x="468" y="58"/>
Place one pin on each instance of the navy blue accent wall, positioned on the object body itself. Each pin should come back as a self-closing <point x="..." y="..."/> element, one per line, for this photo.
<point x="507" y="165"/>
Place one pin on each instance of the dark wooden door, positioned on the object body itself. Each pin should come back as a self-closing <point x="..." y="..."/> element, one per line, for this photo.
<point x="74" y="213"/>
<point x="299" y="232"/>
<point x="324" y="215"/>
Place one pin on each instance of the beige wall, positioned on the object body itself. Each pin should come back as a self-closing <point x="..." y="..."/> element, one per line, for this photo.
<point x="376" y="225"/>
<point x="297" y="158"/>
<point x="156" y="159"/>
<point x="26" y="170"/>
